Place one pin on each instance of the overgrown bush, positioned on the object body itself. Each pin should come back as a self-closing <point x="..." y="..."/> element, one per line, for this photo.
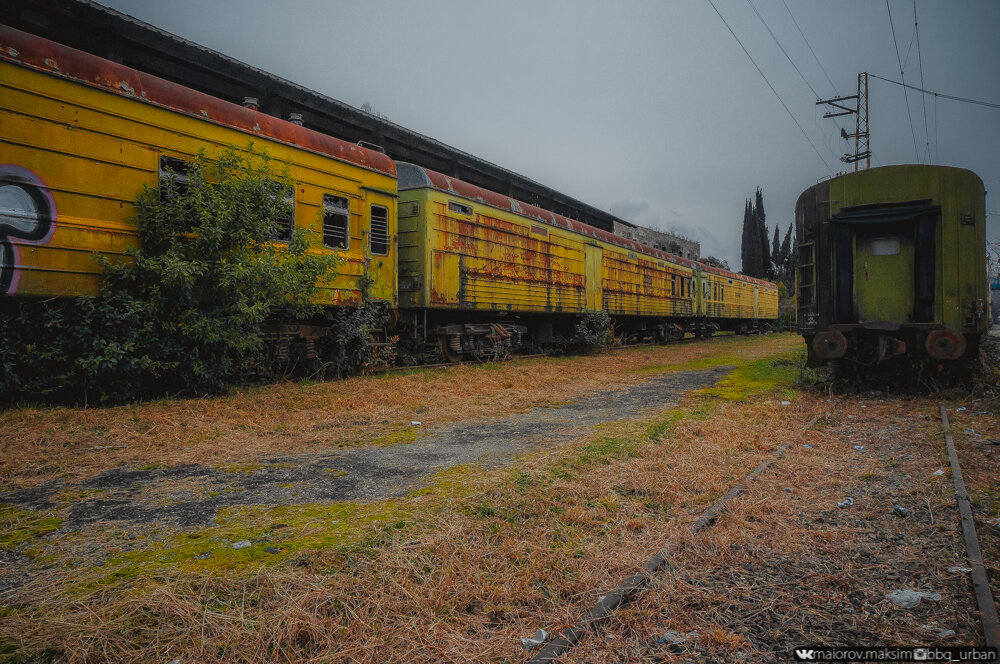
<point x="593" y="331"/>
<point x="181" y="314"/>
<point x="349" y="347"/>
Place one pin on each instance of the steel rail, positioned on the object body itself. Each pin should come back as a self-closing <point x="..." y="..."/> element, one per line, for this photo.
<point x="980" y="581"/>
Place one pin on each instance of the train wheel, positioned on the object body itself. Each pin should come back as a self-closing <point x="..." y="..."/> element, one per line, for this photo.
<point x="449" y="350"/>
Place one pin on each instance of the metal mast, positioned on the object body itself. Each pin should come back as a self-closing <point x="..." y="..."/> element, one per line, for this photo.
<point x="862" y="148"/>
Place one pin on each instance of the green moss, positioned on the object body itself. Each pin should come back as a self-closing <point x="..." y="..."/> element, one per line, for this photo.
<point x="19" y="526"/>
<point x="407" y="434"/>
<point x="336" y="472"/>
<point x="152" y="466"/>
<point x="774" y="375"/>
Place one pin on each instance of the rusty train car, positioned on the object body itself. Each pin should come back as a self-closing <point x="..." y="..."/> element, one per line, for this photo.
<point x="892" y="265"/>
<point x="478" y="270"/>
<point x="80" y="136"/>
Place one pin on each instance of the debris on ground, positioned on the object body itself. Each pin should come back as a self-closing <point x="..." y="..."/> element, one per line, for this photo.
<point x="901" y="511"/>
<point x="536" y="640"/>
<point x="938" y="631"/>
<point x="859" y="448"/>
<point x="242" y="544"/>
<point x="846" y="502"/>
<point x="959" y="570"/>
<point x="907" y="599"/>
<point x="938" y="473"/>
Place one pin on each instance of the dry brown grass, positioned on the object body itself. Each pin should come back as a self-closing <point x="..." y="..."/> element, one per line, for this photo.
<point x="40" y="444"/>
<point x="509" y="551"/>
<point x="472" y="573"/>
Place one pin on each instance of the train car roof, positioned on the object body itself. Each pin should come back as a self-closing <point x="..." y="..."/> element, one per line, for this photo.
<point x="68" y="63"/>
<point x="412" y="176"/>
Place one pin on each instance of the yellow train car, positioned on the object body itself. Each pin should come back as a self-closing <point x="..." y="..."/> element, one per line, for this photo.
<point x="478" y="270"/>
<point x="80" y="136"/>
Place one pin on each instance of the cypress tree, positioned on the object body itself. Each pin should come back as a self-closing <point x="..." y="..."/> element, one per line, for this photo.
<point x="787" y="265"/>
<point x="765" y="253"/>
<point x="775" y="262"/>
<point x="748" y="243"/>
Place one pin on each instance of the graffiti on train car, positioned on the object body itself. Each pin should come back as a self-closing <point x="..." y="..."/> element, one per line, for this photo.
<point x="27" y="217"/>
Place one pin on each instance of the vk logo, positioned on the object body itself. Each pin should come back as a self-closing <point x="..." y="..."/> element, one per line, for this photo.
<point x="804" y="655"/>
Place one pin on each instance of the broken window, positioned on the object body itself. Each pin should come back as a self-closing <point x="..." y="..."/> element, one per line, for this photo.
<point x="174" y="176"/>
<point x="285" y="222"/>
<point x="460" y="208"/>
<point x="336" y="222"/>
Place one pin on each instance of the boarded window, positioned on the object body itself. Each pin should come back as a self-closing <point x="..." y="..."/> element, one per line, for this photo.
<point x="885" y="246"/>
<point x="460" y="208"/>
<point x="336" y="222"/>
<point x="539" y="230"/>
<point x="174" y="173"/>
<point x="379" y="237"/>
<point x="286" y="221"/>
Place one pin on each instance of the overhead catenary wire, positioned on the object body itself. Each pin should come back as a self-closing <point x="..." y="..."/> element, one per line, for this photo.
<point x="942" y="95"/>
<point x="822" y="68"/>
<point x="909" y="117"/>
<point x="782" y="101"/>
<point x="787" y="57"/>
<point x="791" y="62"/>
<point x="920" y="61"/>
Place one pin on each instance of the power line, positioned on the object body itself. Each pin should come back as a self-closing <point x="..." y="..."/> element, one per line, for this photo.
<point x="788" y="57"/>
<point x="785" y="106"/>
<point x="832" y="86"/>
<point x="988" y="104"/>
<point x="923" y="99"/>
<point x="903" y="78"/>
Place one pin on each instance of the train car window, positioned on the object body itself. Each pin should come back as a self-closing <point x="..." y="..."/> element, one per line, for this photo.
<point x="460" y="208"/>
<point x="336" y="222"/>
<point x="176" y="170"/>
<point x="885" y="246"/>
<point x="379" y="236"/>
<point x="285" y="223"/>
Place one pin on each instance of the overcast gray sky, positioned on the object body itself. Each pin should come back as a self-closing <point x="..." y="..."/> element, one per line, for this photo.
<point x="650" y="110"/>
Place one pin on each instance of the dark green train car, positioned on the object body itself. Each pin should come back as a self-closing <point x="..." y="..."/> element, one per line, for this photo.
<point x="892" y="261"/>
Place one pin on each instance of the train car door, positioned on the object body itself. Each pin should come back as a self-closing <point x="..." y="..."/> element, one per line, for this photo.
<point x="756" y="301"/>
<point x="883" y="273"/>
<point x="594" y="276"/>
<point x="700" y="284"/>
<point x="380" y="211"/>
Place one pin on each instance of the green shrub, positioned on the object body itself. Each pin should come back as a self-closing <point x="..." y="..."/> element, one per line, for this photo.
<point x="181" y="314"/>
<point x="594" y="330"/>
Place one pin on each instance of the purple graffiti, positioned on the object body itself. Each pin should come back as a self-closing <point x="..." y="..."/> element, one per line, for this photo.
<point x="27" y="216"/>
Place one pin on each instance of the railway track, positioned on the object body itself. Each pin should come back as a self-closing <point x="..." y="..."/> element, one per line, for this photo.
<point x="630" y="588"/>
<point x="980" y="581"/>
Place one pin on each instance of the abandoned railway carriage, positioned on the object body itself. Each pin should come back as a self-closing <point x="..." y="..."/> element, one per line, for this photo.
<point x="82" y="135"/>
<point x="478" y="270"/>
<point x="891" y="261"/>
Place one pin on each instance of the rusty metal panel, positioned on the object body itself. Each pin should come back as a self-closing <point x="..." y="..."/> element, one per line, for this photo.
<point x="446" y="278"/>
<point x="594" y="277"/>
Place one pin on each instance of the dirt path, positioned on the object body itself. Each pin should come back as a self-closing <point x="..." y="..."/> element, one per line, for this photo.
<point x="191" y="494"/>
